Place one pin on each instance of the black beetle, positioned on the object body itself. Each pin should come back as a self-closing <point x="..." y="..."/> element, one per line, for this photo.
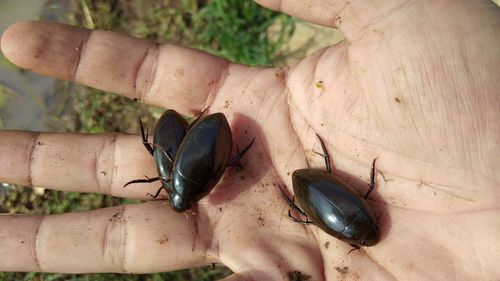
<point x="191" y="170"/>
<point x="167" y="136"/>
<point x="333" y="205"/>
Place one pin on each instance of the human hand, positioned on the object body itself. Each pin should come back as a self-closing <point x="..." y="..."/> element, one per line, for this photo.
<point x="413" y="84"/>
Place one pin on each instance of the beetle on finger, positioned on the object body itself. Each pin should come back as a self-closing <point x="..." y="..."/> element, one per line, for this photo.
<point x="190" y="159"/>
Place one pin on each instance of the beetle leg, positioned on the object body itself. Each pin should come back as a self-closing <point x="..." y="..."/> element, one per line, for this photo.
<point x="157" y="192"/>
<point x="307" y="221"/>
<point x="372" y="180"/>
<point x="145" y="139"/>
<point x="297" y="208"/>
<point x="238" y="156"/>
<point x="325" y="155"/>
<point x="146" y="180"/>
<point x="354" y="248"/>
<point x="291" y="204"/>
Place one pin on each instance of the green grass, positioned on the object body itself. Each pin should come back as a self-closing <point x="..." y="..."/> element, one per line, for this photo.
<point x="238" y="30"/>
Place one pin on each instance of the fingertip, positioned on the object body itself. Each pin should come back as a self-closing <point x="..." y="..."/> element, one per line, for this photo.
<point x="13" y="45"/>
<point x="42" y="47"/>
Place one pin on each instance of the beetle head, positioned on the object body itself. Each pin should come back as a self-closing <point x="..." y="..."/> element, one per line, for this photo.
<point x="178" y="203"/>
<point x="363" y="230"/>
<point x="370" y="237"/>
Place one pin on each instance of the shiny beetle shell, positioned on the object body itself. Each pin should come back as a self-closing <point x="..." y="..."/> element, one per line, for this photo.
<point x="335" y="207"/>
<point x="168" y="135"/>
<point x="200" y="160"/>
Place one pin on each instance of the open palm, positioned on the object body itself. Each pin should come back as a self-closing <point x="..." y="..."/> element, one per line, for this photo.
<point x="413" y="83"/>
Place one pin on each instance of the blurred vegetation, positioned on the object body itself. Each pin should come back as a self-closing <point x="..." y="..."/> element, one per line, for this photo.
<point x="238" y="30"/>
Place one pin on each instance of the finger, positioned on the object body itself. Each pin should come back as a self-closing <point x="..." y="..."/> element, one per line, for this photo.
<point x="315" y="11"/>
<point x="143" y="238"/>
<point x="348" y="16"/>
<point x="77" y="162"/>
<point x="159" y="75"/>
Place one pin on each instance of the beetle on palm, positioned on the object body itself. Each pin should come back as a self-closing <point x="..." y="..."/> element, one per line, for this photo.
<point x="333" y="205"/>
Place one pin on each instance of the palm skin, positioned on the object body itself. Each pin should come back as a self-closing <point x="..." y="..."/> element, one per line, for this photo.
<point x="413" y="84"/>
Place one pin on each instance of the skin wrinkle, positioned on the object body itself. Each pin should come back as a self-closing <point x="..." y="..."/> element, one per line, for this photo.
<point x="34" y="250"/>
<point x="393" y="81"/>
<point x="477" y="254"/>
<point x="406" y="100"/>
<point x="96" y="170"/>
<point x="105" y="241"/>
<point x="427" y="184"/>
<point x="215" y="87"/>
<point x="417" y="108"/>
<point x="373" y="260"/>
<point x="138" y="68"/>
<point x="474" y="211"/>
<point x="113" y="164"/>
<point x="31" y="159"/>
<point x="101" y="172"/>
<point x="143" y="92"/>
<point x="392" y="110"/>
<point x="125" y="240"/>
<point x="448" y="75"/>
<point x="257" y="113"/>
<point x="291" y="100"/>
<point x="82" y="47"/>
<point x="251" y="81"/>
<point x="292" y="155"/>
<point x="479" y="130"/>
<point x="213" y="250"/>
<point x="440" y="88"/>
<point x="208" y="246"/>
<point x="316" y="62"/>
<point x="410" y="259"/>
<point x="466" y="103"/>
<point x="476" y="263"/>
<point x="447" y="192"/>
<point x="276" y="102"/>
<point x="383" y="15"/>
<point x="245" y="87"/>
<point x="110" y="252"/>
